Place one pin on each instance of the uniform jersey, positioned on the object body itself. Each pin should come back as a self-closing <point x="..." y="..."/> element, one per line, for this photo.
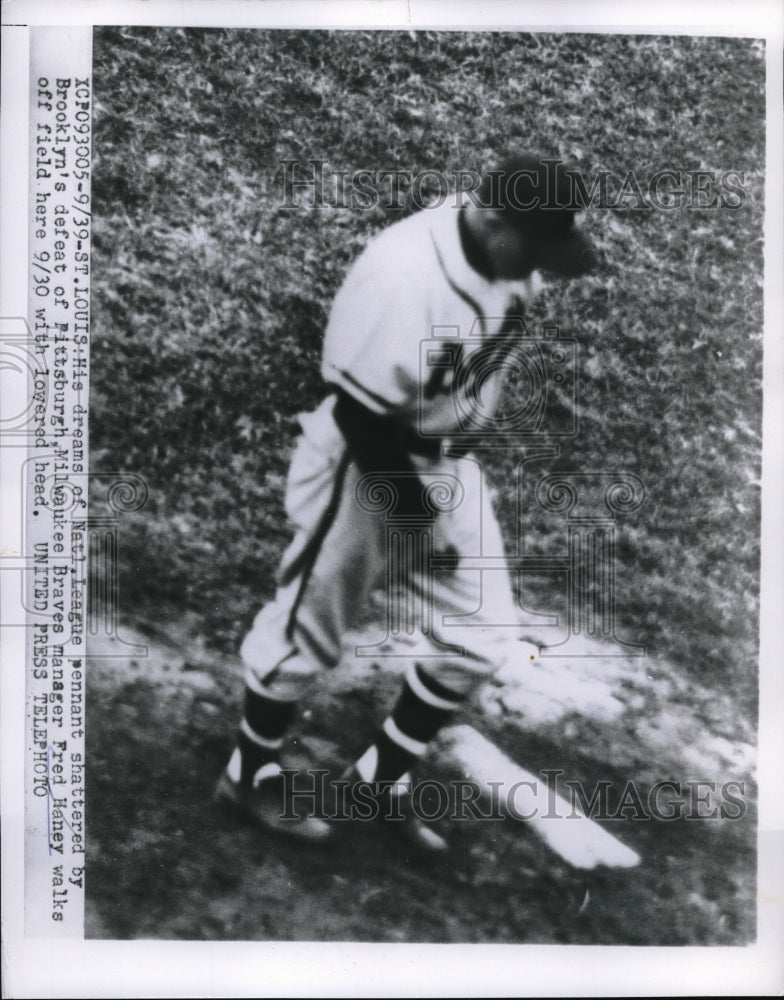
<point x="409" y="318"/>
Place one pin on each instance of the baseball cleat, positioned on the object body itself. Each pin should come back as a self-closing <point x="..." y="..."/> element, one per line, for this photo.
<point x="263" y="803"/>
<point x="395" y="811"/>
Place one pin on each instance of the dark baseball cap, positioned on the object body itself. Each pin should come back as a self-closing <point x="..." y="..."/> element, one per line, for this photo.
<point x="537" y="196"/>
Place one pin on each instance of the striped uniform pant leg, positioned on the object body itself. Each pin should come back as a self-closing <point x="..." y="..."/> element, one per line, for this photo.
<point x="471" y="609"/>
<point x="335" y="589"/>
<point x="327" y="576"/>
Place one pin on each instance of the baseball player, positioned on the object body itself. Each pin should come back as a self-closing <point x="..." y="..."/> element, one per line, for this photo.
<point x="386" y="440"/>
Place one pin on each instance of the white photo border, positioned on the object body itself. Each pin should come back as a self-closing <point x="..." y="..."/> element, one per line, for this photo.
<point x="65" y="968"/>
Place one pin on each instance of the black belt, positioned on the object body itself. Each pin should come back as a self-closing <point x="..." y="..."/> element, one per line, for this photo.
<point x="404" y="437"/>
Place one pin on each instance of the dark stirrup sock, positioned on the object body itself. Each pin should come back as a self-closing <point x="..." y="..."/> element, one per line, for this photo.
<point x="260" y="738"/>
<point x="423" y="707"/>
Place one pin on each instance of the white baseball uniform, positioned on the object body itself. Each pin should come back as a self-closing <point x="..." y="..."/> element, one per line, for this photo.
<point x="410" y="314"/>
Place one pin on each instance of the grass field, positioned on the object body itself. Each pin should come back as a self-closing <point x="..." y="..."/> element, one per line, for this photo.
<point x="210" y="298"/>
